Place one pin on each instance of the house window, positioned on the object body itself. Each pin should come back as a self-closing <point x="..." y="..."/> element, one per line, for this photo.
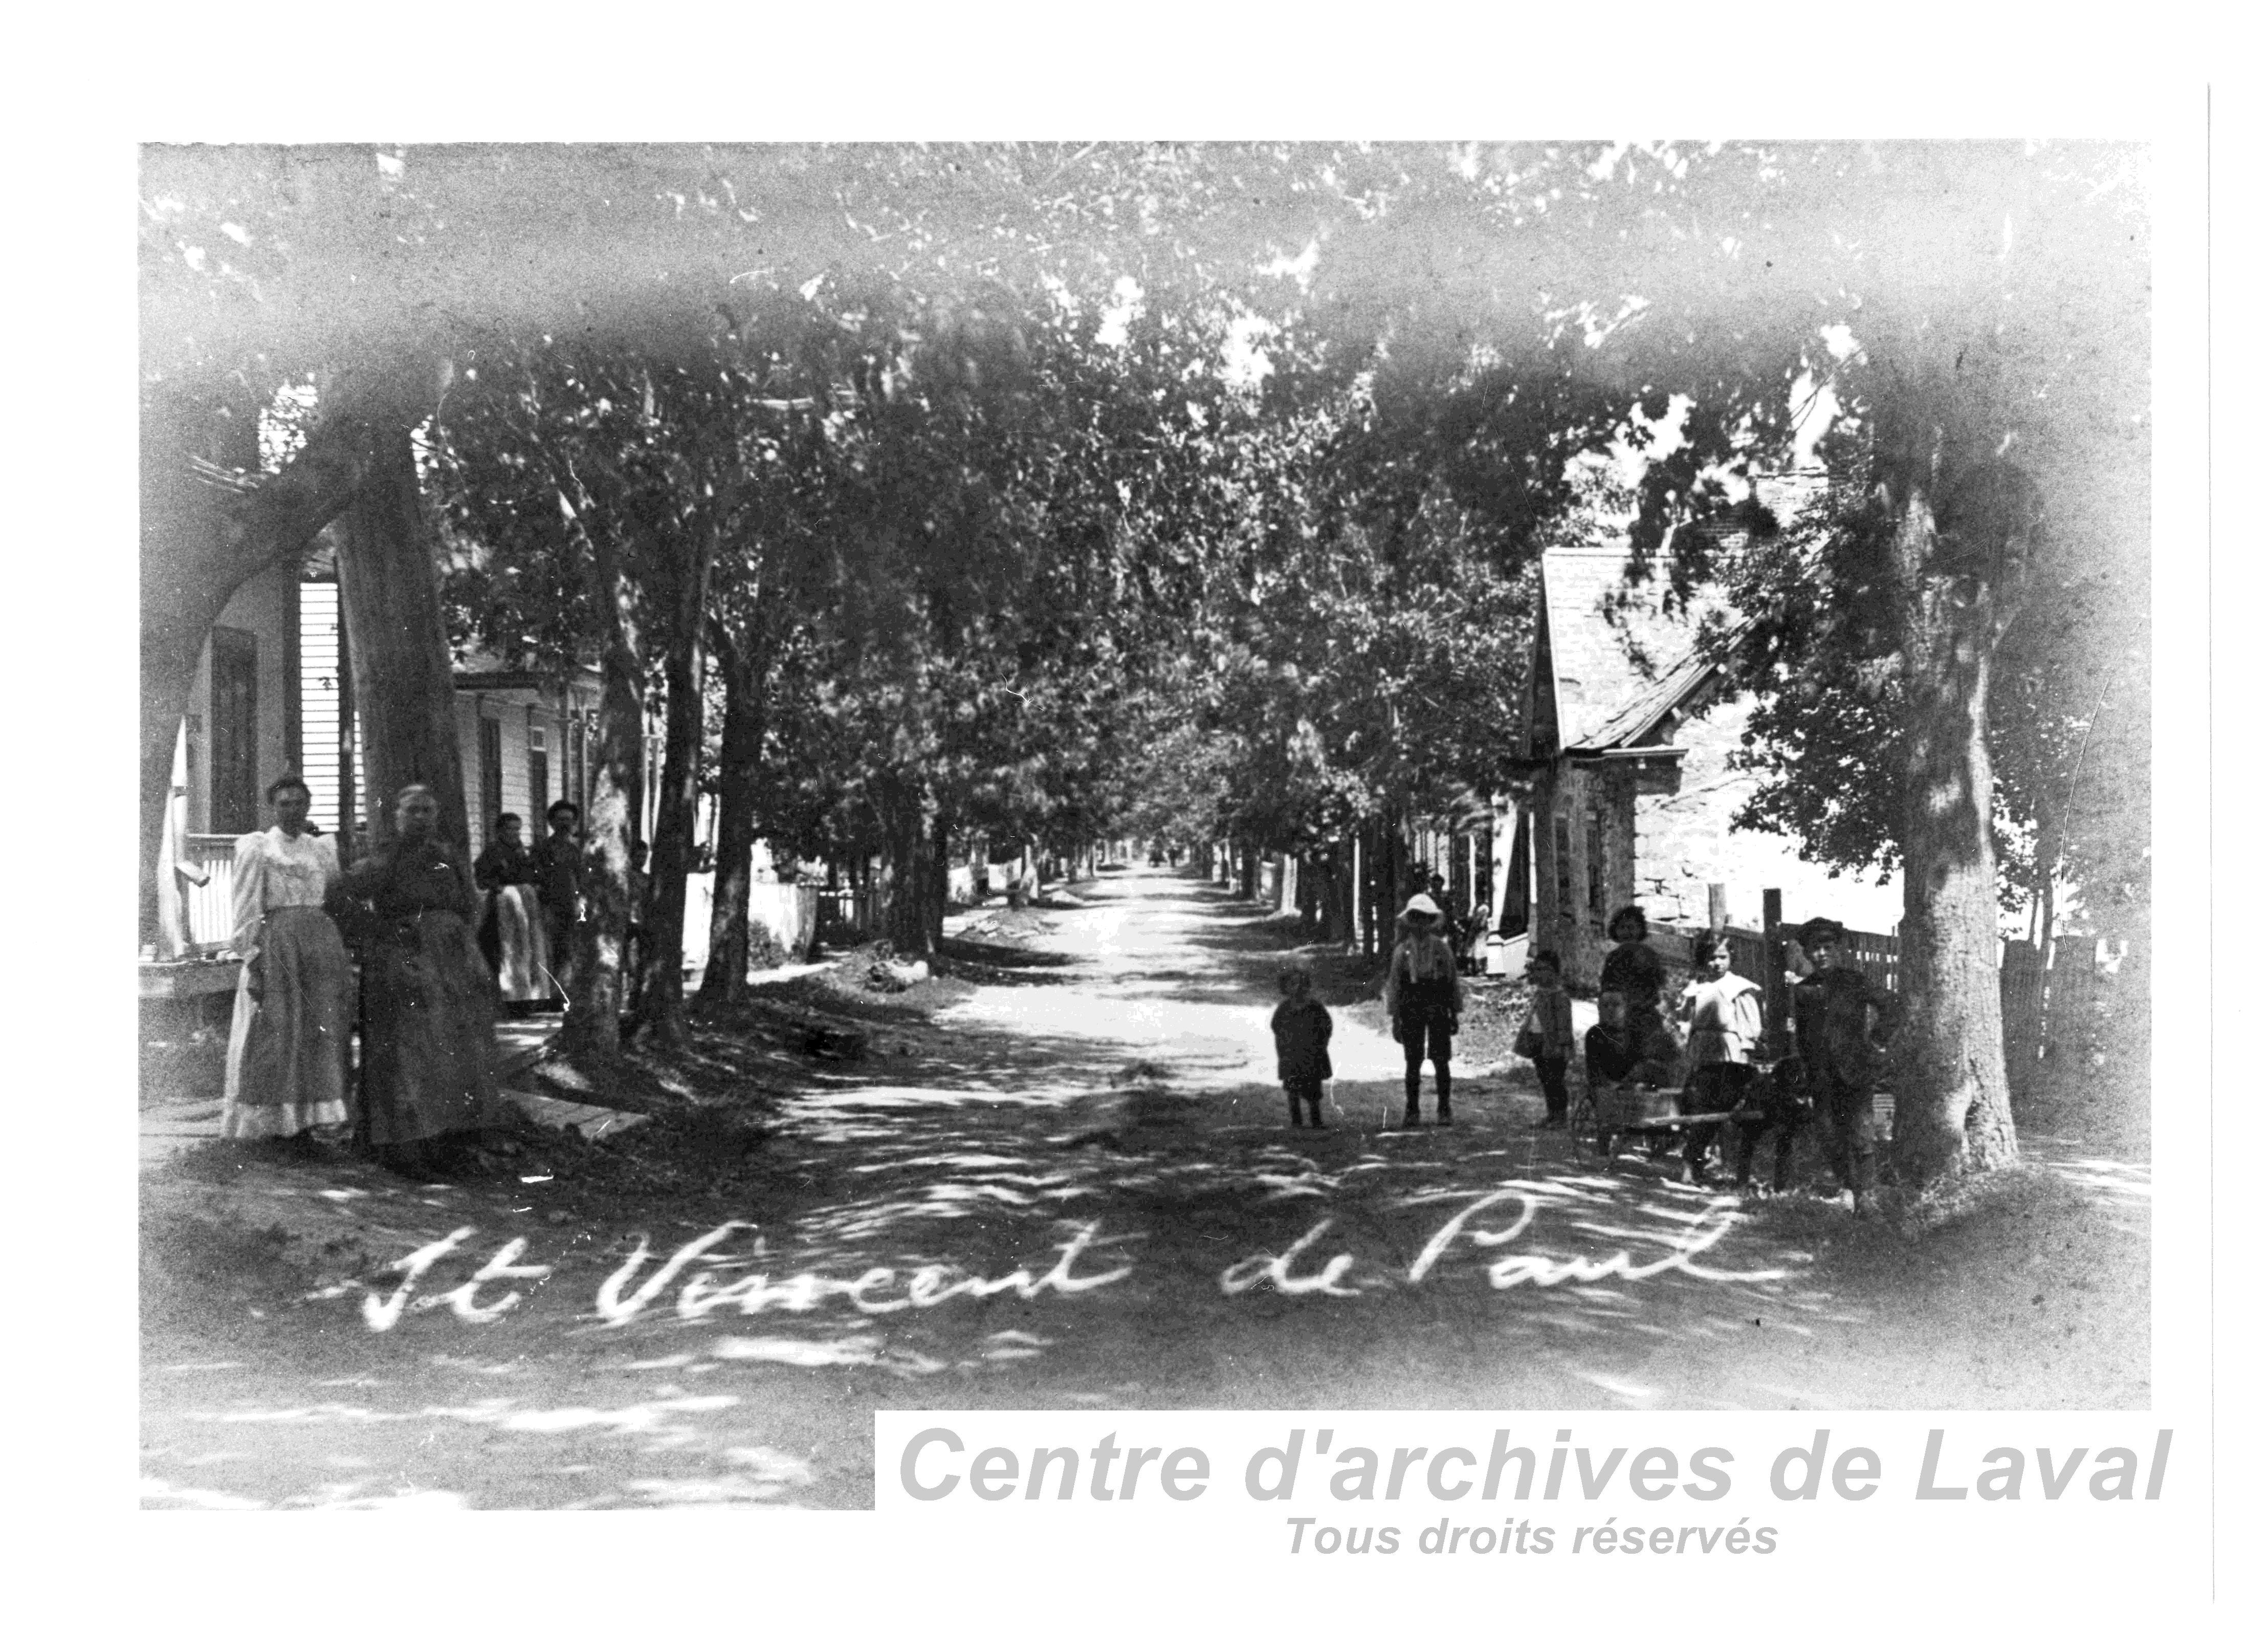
<point x="491" y="774"/>
<point x="1563" y="865"/>
<point x="235" y="747"/>
<point x="538" y="773"/>
<point x="578" y="762"/>
<point x="1595" y="863"/>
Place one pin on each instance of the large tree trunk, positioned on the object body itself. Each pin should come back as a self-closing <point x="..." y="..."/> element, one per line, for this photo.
<point x="397" y="642"/>
<point x="663" y="997"/>
<point x="201" y="540"/>
<point x="1339" y="925"/>
<point x="915" y="912"/>
<point x="740" y="753"/>
<point x="940" y="875"/>
<point x="1952" y="1081"/>
<point x="593" y="1023"/>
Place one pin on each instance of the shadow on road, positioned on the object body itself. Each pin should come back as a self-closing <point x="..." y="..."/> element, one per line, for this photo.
<point x="1054" y="1193"/>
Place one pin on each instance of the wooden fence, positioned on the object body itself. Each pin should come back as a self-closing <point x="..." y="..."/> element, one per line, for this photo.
<point x="788" y="912"/>
<point x="2049" y="1009"/>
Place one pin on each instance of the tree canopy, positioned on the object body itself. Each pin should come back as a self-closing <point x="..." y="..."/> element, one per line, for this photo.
<point x="1050" y="491"/>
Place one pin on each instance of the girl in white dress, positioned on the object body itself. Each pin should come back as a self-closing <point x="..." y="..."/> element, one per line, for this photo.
<point x="1724" y="1015"/>
<point x="287" y="1044"/>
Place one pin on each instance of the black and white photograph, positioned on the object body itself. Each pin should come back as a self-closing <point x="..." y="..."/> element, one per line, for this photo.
<point x="790" y="779"/>
<point x="1510" y="781"/>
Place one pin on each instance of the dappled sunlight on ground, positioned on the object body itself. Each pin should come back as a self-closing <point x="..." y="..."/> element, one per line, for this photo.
<point x="2121" y="1181"/>
<point x="1019" y="1217"/>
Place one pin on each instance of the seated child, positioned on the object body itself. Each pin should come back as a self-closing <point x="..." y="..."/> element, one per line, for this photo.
<point x="1607" y="1056"/>
<point x="1302" y="1027"/>
<point x="1628" y="1047"/>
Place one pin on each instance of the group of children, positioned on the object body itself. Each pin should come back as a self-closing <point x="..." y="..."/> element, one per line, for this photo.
<point x="1842" y="1024"/>
<point x="1424" y="1000"/>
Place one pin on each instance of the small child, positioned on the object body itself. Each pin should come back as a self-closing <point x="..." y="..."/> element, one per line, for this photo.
<point x="1724" y="1014"/>
<point x="1302" y="1027"/>
<point x="1549" y="1037"/>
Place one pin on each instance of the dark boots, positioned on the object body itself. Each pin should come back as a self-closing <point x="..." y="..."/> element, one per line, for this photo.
<point x="1411" y="1118"/>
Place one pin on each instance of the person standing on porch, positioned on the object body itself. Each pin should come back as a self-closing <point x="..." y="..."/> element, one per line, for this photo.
<point x="514" y="938"/>
<point x="287" y="1042"/>
<point x="559" y="885"/>
<point x="1424" y="996"/>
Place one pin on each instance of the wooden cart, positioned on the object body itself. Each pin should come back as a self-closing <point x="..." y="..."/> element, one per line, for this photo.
<point x="1604" y="1115"/>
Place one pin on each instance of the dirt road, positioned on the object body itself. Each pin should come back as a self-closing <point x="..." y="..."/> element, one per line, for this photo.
<point x="981" y="1214"/>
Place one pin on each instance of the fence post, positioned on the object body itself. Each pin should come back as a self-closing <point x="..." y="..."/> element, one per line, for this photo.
<point x="1775" y="981"/>
<point x="2021" y="981"/>
<point x="1716" y="908"/>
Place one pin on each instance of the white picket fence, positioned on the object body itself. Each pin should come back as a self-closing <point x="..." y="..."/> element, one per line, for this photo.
<point x="788" y="911"/>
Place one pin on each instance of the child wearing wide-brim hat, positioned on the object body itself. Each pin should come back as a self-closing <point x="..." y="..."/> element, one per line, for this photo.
<point x="1424" y="996"/>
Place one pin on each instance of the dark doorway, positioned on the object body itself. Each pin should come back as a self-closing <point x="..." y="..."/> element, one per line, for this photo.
<point x="538" y="778"/>
<point x="235" y="731"/>
<point x="492" y="775"/>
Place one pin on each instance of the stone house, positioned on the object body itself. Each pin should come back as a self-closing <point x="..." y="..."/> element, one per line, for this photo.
<point x="1630" y="786"/>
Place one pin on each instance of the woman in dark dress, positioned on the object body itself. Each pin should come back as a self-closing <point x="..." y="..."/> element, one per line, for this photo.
<point x="429" y="1081"/>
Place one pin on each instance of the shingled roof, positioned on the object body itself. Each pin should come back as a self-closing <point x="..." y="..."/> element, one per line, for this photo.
<point x="1636" y="719"/>
<point x="1608" y="664"/>
<point x="1593" y="617"/>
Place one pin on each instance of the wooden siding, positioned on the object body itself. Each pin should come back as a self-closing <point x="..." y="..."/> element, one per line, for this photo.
<point x="321" y="699"/>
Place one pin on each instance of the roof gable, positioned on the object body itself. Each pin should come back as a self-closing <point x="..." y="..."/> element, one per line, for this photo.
<point x="1591" y="622"/>
<point x="1608" y="663"/>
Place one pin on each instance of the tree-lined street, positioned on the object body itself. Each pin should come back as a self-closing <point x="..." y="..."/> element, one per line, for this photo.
<point x="1030" y="493"/>
<point x="837" y="530"/>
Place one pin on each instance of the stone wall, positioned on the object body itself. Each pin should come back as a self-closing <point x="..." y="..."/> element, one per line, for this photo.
<point x="1685" y="843"/>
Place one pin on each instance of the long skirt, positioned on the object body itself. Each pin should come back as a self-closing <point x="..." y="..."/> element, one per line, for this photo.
<point x="558" y="923"/>
<point x="523" y="946"/>
<point x="287" y="1052"/>
<point x="428" y="1036"/>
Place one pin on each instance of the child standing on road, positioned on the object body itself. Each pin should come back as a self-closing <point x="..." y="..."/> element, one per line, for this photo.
<point x="1841" y="1025"/>
<point x="1724" y="1014"/>
<point x="1302" y="1027"/>
<point x="1424" y="997"/>
<point x="1549" y="1037"/>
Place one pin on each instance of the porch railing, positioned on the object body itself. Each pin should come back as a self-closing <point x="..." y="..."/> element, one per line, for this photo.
<point x="205" y="876"/>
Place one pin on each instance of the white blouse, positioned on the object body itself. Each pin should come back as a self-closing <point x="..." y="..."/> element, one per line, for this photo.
<point x="273" y="870"/>
<point x="1728" y="1020"/>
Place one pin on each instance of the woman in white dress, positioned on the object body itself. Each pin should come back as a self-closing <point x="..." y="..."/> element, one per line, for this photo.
<point x="1724" y="1015"/>
<point x="287" y="1046"/>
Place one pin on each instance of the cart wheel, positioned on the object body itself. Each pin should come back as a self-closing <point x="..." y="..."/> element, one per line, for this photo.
<point x="1582" y="1119"/>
